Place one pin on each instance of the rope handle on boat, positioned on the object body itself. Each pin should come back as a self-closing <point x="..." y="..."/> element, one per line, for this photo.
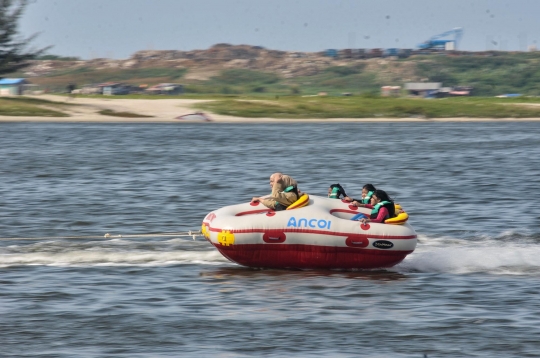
<point x="192" y="234"/>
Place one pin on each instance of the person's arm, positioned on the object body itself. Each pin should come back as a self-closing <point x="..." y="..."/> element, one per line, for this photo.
<point x="381" y="216"/>
<point x="280" y="196"/>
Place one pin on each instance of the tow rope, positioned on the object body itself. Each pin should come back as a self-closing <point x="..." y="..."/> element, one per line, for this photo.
<point x="192" y="234"/>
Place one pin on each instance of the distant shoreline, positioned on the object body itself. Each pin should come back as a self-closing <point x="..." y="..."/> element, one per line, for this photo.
<point x="107" y="119"/>
<point x="86" y="110"/>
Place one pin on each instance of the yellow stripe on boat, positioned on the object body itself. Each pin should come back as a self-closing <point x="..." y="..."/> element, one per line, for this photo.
<point x="400" y="219"/>
<point x="300" y="203"/>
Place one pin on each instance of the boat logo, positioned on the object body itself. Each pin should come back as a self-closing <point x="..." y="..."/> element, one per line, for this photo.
<point x="314" y="223"/>
<point x="383" y="244"/>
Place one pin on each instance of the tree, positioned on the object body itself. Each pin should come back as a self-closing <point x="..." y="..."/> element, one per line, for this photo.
<point x="14" y="52"/>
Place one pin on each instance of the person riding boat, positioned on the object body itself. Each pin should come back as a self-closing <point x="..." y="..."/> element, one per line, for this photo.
<point x="367" y="192"/>
<point x="284" y="192"/>
<point x="382" y="208"/>
<point x="336" y="191"/>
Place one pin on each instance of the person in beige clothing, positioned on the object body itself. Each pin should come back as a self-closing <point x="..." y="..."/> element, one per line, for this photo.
<point x="284" y="192"/>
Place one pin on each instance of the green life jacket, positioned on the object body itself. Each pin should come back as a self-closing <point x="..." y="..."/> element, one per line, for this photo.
<point x="335" y="193"/>
<point x="367" y="198"/>
<point x="376" y="208"/>
<point x="292" y="189"/>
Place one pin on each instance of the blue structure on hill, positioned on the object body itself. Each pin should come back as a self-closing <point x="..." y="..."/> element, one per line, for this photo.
<point x="438" y="42"/>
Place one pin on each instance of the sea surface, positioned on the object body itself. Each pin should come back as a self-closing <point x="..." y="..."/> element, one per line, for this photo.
<point x="471" y="288"/>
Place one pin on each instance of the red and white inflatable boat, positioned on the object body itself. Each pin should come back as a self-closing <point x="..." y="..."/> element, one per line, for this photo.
<point x="317" y="236"/>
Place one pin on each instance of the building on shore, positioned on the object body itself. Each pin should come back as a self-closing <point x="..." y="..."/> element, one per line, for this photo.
<point x="435" y="90"/>
<point x="13" y="86"/>
<point x="166" y="88"/>
<point x="423" y="89"/>
<point x="390" y="91"/>
<point x="114" y="88"/>
<point x="461" y="91"/>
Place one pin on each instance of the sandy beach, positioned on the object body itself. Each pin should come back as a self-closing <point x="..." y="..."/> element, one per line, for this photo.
<point x="166" y="111"/>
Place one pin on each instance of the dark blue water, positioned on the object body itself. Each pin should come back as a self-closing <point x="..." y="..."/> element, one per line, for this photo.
<point x="469" y="290"/>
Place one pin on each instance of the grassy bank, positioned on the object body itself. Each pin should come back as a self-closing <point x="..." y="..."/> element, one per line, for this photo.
<point x="363" y="107"/>
<point x="303" y="107"/>
<point x="30" y="107"/>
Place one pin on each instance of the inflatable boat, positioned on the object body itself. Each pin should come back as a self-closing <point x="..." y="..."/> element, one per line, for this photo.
<point x="313" y="233"/>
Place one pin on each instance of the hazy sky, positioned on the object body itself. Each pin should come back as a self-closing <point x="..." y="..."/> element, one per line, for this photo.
<point x="118" y="28"/>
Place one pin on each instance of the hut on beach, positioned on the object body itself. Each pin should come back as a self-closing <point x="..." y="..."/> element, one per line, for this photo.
<point x="423" y="89"/>
<point x="12" y="86"/>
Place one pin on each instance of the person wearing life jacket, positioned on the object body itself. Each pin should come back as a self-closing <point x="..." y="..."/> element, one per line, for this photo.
<point x="284" y="192"/>
<point x="367" y="192"/>
<point x="382" y="208"/>
<point x="335" y="191"/>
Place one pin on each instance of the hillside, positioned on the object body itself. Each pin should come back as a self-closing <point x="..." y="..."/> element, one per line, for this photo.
<point x="243" y="69"/>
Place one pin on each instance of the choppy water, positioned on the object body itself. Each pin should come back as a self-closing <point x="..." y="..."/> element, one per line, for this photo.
<point x="469" y="290"/>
